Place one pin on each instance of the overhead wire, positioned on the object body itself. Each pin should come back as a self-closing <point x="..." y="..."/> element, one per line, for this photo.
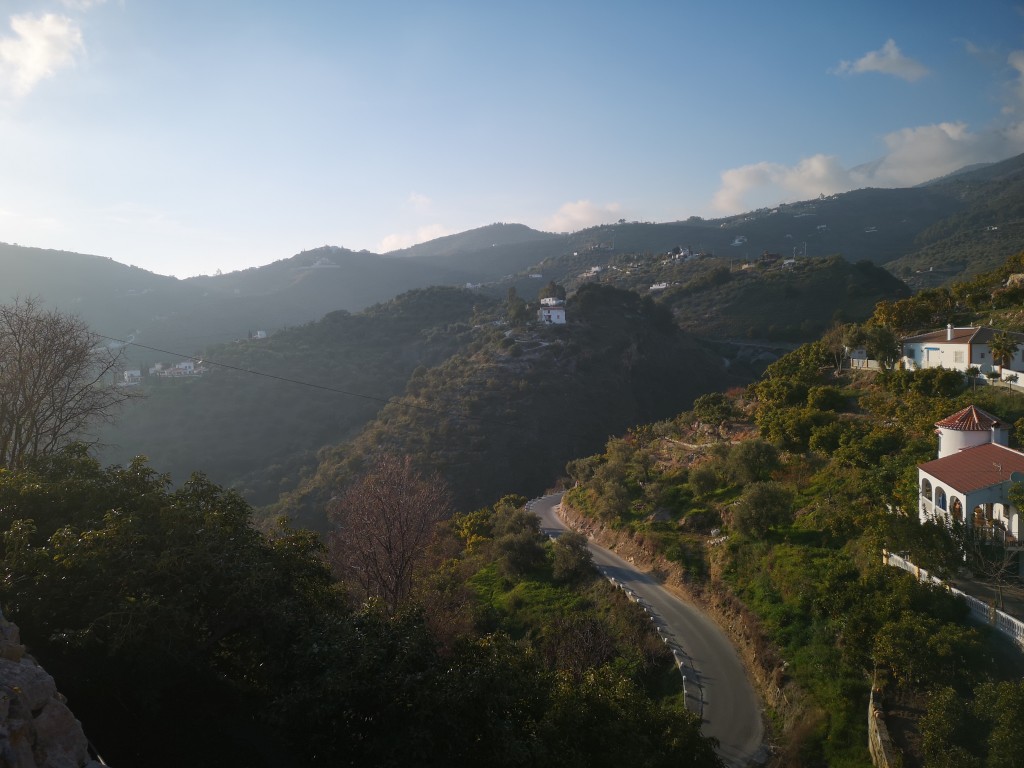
<point x="326" y="388"/>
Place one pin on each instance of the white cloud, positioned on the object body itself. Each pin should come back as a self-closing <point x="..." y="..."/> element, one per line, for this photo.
<point x="761" y="184"/>
<point x="40" y="47"/>
<point x="398" y="241"/>
<point x="888" y="60"/>
<point x="419" y="202"/>
<point x="913" y="156"/>
<point x="580" y="215"/>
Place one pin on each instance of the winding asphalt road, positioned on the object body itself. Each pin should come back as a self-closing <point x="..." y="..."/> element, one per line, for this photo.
<point x="716" y="682"/>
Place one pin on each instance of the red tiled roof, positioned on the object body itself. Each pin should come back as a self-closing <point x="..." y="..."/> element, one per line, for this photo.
<point x="970" y="419"/>
<point x="982" y="335"/>
<point x="975" y="468"/>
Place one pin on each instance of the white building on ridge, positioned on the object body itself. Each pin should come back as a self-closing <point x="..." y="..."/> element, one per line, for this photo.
<point x="959" y="349"/>
<point x="968" y="483"/>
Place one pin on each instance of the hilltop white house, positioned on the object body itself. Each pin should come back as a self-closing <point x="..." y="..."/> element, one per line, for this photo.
<point x="178" y="370"/>
<point x="551" y="312"/>
<point x="968" y="482"/>
<point x="959" y="349"/>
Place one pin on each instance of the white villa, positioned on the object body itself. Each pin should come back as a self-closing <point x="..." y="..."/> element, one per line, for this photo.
<point x="552" y="311"/>
<point x="959" y="349"/>
<point x="551" y="315"/>
<point x="184" y="368"/>
<point x="969" y="480"/>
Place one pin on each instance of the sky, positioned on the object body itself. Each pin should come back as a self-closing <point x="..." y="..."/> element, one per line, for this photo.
<point x="190" y="136"/>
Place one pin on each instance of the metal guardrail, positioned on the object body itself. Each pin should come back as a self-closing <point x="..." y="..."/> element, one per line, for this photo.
<point x="682" y="658"/>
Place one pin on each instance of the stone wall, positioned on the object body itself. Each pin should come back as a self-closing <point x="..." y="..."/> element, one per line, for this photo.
<point x="37" y="730"/>
<point x="883" y="753"/>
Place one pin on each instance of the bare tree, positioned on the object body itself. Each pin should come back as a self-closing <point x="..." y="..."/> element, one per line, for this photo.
<point x="56" y="379"/>
<point x="383" y="523"/>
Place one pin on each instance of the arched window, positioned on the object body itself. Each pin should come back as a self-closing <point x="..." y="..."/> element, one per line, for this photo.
<point x="956" y="509"/>
<point x="926" y="488"/>
<point x="940" y="498"/>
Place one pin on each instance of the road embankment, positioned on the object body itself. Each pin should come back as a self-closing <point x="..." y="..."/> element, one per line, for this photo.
<point x="766" y="668"/>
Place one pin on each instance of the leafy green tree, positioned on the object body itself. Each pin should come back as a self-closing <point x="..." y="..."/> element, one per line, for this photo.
<point x="552" y="291"/>
<point x="921" y="650"/>
<point x="791" y="428"/>
<point x="1001" y="707"/>
<point x="703" y="479"/>
<point x="517" y="539"/>
<point x="763" y="506"/>
<point x="1003" y="348"/>
<point x="571" y="557"/>
<point x="751" y="461"/>
<point x="882" y="345"/>
<point x="581" y="470"/>
<point x="160" y="608"/>
<point x="713" y="408"/>
<point x="517" y="310"/>
<point x="948" y="739"/>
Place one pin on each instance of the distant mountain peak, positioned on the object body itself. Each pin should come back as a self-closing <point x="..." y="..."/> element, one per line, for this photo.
<point x="492" y="235"/>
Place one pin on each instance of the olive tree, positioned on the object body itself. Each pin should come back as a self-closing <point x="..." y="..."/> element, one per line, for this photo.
<point x="56" y="380"/>
<point x="763" y="506"/>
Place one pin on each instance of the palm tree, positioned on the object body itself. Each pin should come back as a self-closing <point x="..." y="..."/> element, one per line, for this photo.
<point x="1003" y="349"/>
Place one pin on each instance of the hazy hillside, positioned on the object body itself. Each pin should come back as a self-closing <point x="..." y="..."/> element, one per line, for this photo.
<point x="988" y="227"/>
<point x="762" y="299"/>
<point x="961" y="224"/>
<point x="475" y="240"/>
<point x="255" y="431"/>
<point x="505" y="414"/>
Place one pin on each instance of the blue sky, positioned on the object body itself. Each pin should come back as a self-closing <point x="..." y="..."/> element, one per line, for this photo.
<point x="190" y="136"/>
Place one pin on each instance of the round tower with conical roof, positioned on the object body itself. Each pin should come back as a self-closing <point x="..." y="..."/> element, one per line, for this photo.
<point x="967" y="428"/>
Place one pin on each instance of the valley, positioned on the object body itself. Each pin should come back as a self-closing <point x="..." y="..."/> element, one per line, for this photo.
<point x="691" y="406"/>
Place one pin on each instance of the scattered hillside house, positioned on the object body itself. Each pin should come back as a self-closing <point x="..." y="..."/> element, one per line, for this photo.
<point x="551" y="312"/>
<point x="658" y="286"/>
<point x="959" y="349"/>
<point x="132" y="378"/>
<point x="968" y="483"/>
<point x="859" y="357"/>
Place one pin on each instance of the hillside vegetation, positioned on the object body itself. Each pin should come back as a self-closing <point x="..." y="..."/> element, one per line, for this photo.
<point x="773" y="507"/>
<point x="764" y="300"/>
<point x="505" y="413"/>
<point x="180" y="635"/>
<point x="314" y="385"/>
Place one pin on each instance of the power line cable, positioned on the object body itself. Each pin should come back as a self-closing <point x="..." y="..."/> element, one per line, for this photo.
<point x="385" y="400"/>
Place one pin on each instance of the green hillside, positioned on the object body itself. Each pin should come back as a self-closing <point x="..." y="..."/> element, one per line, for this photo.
<point x="506" y="413"/>
<point x="780" y="300"/>
<point x="256" y="432"/>
<point x="987" y="228"/>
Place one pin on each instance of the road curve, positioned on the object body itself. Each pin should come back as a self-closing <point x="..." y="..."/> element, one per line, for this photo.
<point x="716" y="683"/>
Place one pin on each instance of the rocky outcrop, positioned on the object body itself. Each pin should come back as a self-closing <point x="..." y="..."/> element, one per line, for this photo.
<point x="37" y="730"/>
